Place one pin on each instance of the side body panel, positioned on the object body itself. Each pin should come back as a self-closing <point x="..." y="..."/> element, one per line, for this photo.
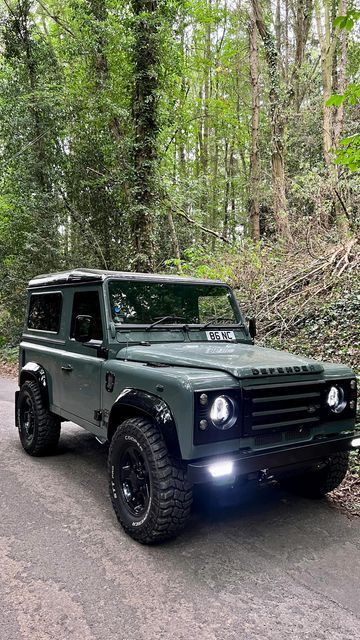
<point x="81" y="372"/>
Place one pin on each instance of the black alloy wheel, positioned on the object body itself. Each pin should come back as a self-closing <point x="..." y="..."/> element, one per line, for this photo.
<point x="149" y="489"/>
<point x="134" y="480"/>
<point x="27" y="419"/>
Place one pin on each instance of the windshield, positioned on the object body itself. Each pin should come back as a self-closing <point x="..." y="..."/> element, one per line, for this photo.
<point x="140" y="302"/>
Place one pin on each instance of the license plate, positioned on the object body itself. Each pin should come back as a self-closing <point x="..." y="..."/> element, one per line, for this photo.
<point x="221" y="336"/>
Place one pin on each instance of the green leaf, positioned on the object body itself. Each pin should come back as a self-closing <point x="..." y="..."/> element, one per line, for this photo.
<point x="335" y="100"/>
<point x="340" y="22"/>
<point x="349" y="24"/>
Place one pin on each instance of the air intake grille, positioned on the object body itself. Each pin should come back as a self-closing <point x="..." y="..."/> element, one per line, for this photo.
<point x="282" y="407"/>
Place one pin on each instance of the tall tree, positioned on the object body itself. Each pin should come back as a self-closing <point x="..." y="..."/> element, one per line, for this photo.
<point x="145" y="193"/>
<point x="254" y="177"/>
<point x="324" y="21"/>
<point x="277" y="117"/>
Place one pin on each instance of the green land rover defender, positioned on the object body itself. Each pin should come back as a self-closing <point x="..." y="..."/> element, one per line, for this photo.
<point x="165" y="369"/>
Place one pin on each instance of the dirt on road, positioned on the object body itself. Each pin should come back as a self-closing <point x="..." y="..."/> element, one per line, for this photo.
<point x="257" y="565"/>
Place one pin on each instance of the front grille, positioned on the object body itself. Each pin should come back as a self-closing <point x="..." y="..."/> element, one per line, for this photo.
<point x="292" y="406"/>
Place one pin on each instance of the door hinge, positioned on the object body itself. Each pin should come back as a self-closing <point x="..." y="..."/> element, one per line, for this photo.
<point x="98" y="415"/>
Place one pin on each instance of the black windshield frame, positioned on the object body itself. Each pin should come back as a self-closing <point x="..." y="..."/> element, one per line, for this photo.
<point x="187" y="323"/>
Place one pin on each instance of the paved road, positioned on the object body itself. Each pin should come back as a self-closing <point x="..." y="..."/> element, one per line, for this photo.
<point x="267" y="566"/>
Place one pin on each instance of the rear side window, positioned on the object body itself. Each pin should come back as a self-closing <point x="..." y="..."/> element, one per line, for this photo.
<point x="87" y="303"/>
<point x="45" y="312"/>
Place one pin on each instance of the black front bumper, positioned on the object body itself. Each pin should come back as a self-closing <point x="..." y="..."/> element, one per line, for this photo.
<point x="274" y="461"/>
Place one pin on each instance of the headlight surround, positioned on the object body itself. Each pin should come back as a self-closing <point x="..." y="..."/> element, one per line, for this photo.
<point x="217" y="421"/>
<point x="222" y="413"/>
<point x="336" y="399"/>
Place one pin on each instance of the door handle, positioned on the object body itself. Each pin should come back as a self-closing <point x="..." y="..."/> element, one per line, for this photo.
<point x="66" y="367"/>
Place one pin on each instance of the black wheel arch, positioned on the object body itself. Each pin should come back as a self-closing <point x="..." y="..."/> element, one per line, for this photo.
<point x="133" y="403"/>
<point x="34" y="371"/>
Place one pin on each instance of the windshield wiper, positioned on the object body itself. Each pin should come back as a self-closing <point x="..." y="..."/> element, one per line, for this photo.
<point x="163" y="320"/>
<point x="215" y="320"/>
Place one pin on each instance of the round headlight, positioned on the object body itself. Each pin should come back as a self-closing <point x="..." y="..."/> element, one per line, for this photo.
<point x="336" y="399"/>
<point x="222" y="413"/>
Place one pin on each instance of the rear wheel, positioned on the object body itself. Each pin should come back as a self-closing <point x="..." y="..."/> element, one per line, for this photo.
<point x="39" y="430"/>
<point x="149" y="490"/>
<point x="319" y="482"/>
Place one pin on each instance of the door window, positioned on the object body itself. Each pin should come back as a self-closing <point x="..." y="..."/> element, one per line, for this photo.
<point x="87" y="303"/>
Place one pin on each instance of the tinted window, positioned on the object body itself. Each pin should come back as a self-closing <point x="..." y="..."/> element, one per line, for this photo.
<point x="87" y="303"/>
<point x="45" y="311"/>
<point x="144" y="302"/>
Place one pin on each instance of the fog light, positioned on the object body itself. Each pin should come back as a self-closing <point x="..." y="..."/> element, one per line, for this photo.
<point x="203" y="424"/>
<point x="223" y="468"/>
<point x="353" y="384"/>
<point x="355" y="443"/>
<point x="203" y="398"/>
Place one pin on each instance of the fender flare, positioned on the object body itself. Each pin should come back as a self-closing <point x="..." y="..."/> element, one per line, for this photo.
<point x="136" y="402"/>
<point x="34" y="371"/>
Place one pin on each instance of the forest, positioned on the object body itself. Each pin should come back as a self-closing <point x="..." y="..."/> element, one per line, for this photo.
<point x="205" y="137"/>
<point x="215" y="138"/>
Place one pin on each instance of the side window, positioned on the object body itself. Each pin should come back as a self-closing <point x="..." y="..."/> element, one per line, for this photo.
<point x="87" y="303"/>
<point x="45" y="312"/>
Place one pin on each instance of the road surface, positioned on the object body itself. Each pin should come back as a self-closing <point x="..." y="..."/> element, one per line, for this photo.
<point x="263" y="565"/>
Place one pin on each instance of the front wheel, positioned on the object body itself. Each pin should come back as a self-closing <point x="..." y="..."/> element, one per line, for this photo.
<point x="317" y="483"/>
<point x="149" y="490"/>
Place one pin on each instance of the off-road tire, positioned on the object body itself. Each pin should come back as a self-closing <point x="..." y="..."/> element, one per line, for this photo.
<point x="45" y="433"/>
<point x="317" y="483"/>
<point x="169" y="492"/>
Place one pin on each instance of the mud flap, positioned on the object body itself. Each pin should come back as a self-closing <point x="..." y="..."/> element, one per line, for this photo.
<point x="16" y="409"/>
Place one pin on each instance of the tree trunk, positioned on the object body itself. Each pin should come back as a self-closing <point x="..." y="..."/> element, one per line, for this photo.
<point x="145" y="192"/>
<point x="277" y="126"/>
<point x="254" y="205"/>
<point x="341" y="77"/>
<point x="174" y="240"/>
<point x="303" y="17"/>
<point x="332" y="119"/>
<point x="342" y="220"/>
<point x="327" y="48"/>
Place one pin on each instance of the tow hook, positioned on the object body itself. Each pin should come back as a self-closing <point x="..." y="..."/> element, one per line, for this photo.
<point x="265" y="475"/>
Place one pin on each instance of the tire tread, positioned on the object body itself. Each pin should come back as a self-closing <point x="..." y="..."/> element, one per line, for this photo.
<point x="174" y="495"/>
<point x="48" y="425"/>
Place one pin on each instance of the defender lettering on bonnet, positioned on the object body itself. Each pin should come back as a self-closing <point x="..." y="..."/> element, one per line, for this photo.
<point x="166" y="369"/>
<point x="270" y="371"/>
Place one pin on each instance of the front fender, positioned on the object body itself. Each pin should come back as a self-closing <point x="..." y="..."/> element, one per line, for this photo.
<point x="134" y="402"/>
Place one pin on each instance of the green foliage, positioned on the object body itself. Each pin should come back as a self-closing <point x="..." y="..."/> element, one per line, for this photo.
<point x="348" y="21"/>
<point x="118" y="117"/>
<point x="329" y="332"/>
<point x="199" y="263"/>
<point x="348" y="154"/>
<point x="354" y="464"/>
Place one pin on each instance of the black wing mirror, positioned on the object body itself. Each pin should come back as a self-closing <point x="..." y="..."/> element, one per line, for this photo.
<point x="252" y="327"/>
<point x="84" y="327"/>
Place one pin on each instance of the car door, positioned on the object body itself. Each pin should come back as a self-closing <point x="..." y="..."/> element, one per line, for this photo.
<point x="81" y="366"/>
